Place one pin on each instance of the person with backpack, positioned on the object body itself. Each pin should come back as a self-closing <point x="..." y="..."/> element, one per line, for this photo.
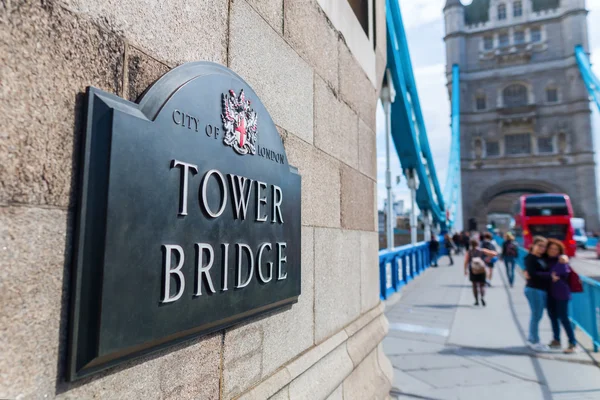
<point x="434" y="250"/>
<point x="510" y="252"/>
<point x="476" y="267"/>
<point x="488" y="243"/>
<point x="559" y="294"/>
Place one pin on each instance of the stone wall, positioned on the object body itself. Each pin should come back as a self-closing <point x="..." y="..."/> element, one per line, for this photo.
<point x="328" y="344"/>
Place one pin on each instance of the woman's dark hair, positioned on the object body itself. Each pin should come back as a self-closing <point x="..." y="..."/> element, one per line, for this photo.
<point x="488" y="236"/>
<point x="474" y="243"/>
<point x="557" y="243"/>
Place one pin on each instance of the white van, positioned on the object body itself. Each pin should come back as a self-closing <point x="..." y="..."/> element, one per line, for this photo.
<point x="579" y="235"/>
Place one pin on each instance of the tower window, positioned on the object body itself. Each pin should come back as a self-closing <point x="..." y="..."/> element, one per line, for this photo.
<point x="501" y="12"/>
<point x="503" y="40"/>
<point x="536" y="35"/>
<point x="518" y="144"/>
<point x="552" y="95"/>
<point x="488" y="42"/>
<point x="515" y="95"/>
<point x="545" y="145"/>
<point x="492" y="149"/>
<point x="480" y="102"/>
<point x="517" y="9"/>
<point x="519" y="37"/>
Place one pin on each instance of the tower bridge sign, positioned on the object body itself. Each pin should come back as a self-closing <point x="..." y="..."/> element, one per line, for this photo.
<point x="188" y="217"/>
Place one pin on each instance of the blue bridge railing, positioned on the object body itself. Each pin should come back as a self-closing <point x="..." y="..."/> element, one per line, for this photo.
<point x="585" y="306"/>
<point x="400" y="265"/>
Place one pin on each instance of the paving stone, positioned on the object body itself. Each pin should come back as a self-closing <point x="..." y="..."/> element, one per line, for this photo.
<point x="337" y="280"/>
<point x="322" y="378"/>
<point x="271" y="11"/>
<point x="174" y="32"/>
<point x="356" y="88"/>
<point x="369" y="270"/>
<point x="282" y="80"/>
<point x="367" y="151"/>
<point x="48" y="56"/>
<point x="358" y="200"/>
<point x="336" y="125"/>
<point x="320" y="182"/>
<point x="142" y="71"/>
<point x="312" y="35"/>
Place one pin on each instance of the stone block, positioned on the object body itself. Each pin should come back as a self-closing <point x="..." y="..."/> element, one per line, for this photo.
<point x="48" y="57"/>
<point x="337" y="280"/>
<point x="384" y="363"/>
<point x="34" y="251"/>
<point x="323" y="378"/>
<point x="271" y="11"/>
<point x="283" y="394"/>
<point x="142" y="71"/>
<point x="279" y="76"/>
<point x="34" y="267"/>
<point x="366" y="340"/>
<point x="358" y="200"/>
<point x="312" y="35"/>
<point x="381" y="30"/>
<point x="255" y="350"/>
<point x="174" y="32"/>
<point x="336" y="125"/>
<point x="356" y="88"/>
<point x="312" y="356"/>
<point x="367" y="151"/>
<point x="269" y="387"/>
<point x="321" y="186"/>
<point x="338" y="394"/>
<point x="189" y="371"/>
<point x="369" y="270"/>
<point x="367" y="381"/>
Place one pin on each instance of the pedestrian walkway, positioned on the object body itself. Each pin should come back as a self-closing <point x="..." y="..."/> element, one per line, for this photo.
<point x="443" y="347"/>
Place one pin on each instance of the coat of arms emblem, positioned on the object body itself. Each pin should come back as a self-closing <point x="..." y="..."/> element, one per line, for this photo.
<point x="239" y="123"/>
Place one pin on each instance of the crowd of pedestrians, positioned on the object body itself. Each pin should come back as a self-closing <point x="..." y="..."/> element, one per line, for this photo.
<point x="549" y="278"/>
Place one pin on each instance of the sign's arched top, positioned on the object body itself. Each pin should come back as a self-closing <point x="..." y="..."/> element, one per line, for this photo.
<point x="246" y="124"/>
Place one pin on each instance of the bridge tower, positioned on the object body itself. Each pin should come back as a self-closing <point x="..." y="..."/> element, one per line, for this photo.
<point x="525" y="114"/>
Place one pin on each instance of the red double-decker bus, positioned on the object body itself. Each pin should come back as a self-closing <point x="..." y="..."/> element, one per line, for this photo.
<point x="547" y="215"/>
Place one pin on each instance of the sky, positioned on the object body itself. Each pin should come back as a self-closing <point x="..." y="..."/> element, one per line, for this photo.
<point x="425" y="32"/>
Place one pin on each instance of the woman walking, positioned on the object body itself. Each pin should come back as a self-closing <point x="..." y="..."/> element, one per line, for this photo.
<point x="476" y="268"/>
<point x="559" y="295"/>
<point x="536" y="290"/>
<point x="510" y="251"/>
<point x="449" y="246"/>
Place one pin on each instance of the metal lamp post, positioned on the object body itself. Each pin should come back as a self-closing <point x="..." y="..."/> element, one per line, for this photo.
<point x="413" y="185"/>
<point x="388" y="95"/>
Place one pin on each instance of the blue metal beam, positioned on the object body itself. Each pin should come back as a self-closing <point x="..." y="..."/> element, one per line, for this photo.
<point x="452" y="190"/>
<point x="408" y="127"/>
<point x="589" y="78"/>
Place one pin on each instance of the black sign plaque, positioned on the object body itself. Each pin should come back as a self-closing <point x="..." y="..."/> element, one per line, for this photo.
<point x="188" y="217"/>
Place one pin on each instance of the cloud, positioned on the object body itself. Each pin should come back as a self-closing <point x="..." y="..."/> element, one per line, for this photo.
<point x="420" y="12"/>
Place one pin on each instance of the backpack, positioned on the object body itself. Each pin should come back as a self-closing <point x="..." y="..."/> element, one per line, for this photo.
<point x="575" y="282"/>
<point x="477" y="264"/>
<point x="511" y="249"/>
